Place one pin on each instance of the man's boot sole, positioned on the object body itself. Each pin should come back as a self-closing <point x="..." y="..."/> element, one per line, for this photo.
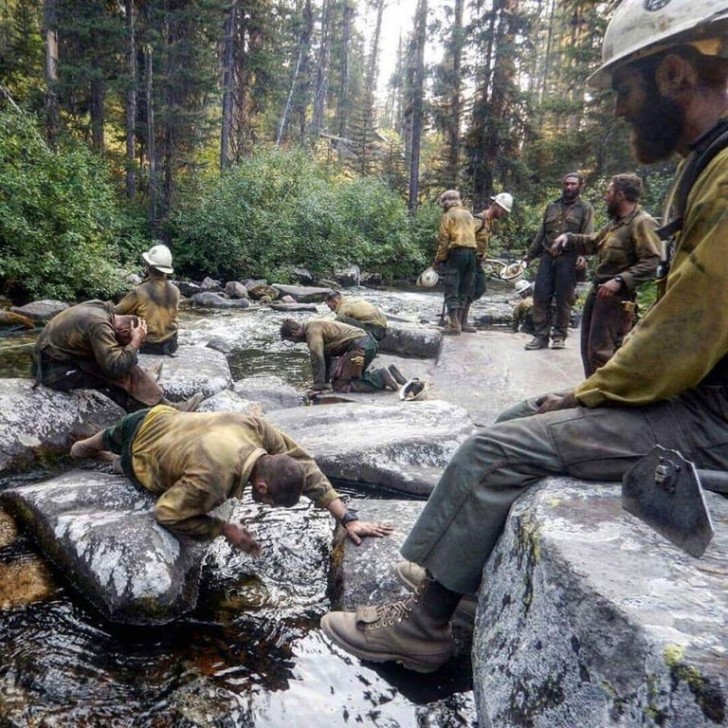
<point x="427" y="665"/>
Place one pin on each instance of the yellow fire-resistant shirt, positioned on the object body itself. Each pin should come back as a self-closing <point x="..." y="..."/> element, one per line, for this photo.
<point x="326" y="339"/>
<point x="628" y="247"/>
<point x="199" y="460"/>
<point x="456" y="231"/>
<point x="685" y="334"/>
<point x="361" y="310"/>
<point x="483" y="230"/>
<point x="85" y="332"/>
<point x="156" y="300"/>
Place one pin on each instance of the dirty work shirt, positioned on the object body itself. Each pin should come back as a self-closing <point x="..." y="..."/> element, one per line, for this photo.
<point x="628" y="247"/>
<point x="522" y="312"/>
<point x="456" y="231"/>
<point x="196" y="461"/>
<point x="85" y="333"/>
<point x="665" y="386"/>
<point x="327" y="339"/>
<point x="358" y="312"/>
<point x="483" y="229"/>
<point x="156" y="300"/>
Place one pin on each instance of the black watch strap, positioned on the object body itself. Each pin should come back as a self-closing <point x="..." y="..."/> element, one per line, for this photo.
<point x="348" y="517"/>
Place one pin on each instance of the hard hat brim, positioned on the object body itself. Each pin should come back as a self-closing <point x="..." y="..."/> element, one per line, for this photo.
<point x="160" y="268"/>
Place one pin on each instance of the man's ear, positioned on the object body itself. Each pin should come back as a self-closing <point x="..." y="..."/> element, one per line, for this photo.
<point x="674" y="75"/>
<point x="260" y="485"/>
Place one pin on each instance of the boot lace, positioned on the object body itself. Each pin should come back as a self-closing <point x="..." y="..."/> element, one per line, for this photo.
<point x="389" y="614"/>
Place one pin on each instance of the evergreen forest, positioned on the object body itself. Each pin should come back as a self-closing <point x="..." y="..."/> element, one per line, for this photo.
<point x="258" y="136"/>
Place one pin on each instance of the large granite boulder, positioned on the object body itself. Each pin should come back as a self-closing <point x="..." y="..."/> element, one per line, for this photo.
<point x="193" y="369"/>
<point x="41" y="311"/>
<point x="211" y="299"/>
<point x="411" y="341"/>
<point x="591" y="618"/>
<point x="35" y="422"/>
<point x="101" y="533"/>
<point x="402" y="446"/>
<point x="303" y="294"/>
<point x="271" y="391"/>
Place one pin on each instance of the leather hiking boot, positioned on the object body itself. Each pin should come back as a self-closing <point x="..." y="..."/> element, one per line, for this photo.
<point x="558" y="344"/>
<point x="464" y="616"/>
<point x="189" y="405"/>
<point x="466" y="327"/>
<point x="537" y="342"/>
<point x="410" y="574"/>
<point x="398" y="376"/>
<point x="388" y="379"/>
<point x="453" y="327"/>
<point x="399" y="632"/>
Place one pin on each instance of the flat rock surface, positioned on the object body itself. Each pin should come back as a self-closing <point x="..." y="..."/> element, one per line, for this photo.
<point x="592" y="618"/>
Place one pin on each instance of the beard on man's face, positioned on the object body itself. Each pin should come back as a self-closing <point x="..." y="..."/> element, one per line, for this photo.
<point x="656" y="128"/>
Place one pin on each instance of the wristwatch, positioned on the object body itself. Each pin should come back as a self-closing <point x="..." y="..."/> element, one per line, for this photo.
<point x="348" y="517"/>
<point x="621" y="282"/>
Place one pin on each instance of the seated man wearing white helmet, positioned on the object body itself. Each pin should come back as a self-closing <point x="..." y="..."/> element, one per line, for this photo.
<point x="156" y="301"/>
<point x="667" y="385"/>
<point x="500" y="206"/>
<point x="522" y="314"/>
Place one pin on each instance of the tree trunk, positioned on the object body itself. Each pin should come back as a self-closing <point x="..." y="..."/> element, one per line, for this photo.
<point x="417" y="107"/>
<point x="322" y="74"/>
<point x="53" y="121"/>
<point x="151" y="132"/>
<point x="344" y="102"/>
<point x="228" y="57"/>
<point x="131" y="101"/>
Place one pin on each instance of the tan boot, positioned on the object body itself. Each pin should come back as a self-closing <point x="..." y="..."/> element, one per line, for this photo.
<point x="397" y="374"/>
<point x="410" y="574"/>
<point x="401" y="632"/>
<point x="453" y="327"/>
<point x="464" y="325"/>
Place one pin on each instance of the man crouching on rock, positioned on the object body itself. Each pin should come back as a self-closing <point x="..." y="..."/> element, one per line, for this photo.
<point x="197" y="461"/>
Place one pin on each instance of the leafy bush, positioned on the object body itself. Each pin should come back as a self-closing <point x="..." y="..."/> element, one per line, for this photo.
<point x="58" y="217"/>
<point x="279" y="210"/>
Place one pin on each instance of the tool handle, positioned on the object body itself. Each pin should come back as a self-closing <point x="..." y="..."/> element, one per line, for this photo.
<point x="715" y="480"/>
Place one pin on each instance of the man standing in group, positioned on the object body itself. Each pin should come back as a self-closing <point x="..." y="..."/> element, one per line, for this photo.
<point x="156" y="301"/>
<point x="88" y="346"/>
<point x="358" y="312"/>
<point x="629" y="252"/>
<point x="500" y="206"/>
<point x="666" y="385"/>
<point x="455" y="257"/>
<point x="556" y="276"/>
<point x="195" y="462"/>
<point x="355" y="350"/>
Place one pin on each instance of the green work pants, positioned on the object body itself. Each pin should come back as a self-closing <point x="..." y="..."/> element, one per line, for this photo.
<point x="466" y="512"/>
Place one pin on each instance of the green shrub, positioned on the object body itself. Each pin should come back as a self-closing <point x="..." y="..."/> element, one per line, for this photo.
<point x="58" y="217"/>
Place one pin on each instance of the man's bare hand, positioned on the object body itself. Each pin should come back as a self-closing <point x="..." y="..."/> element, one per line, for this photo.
<point x="138" y="332"/>
<point x="557" y="247"/>
<point x="608" y="289"/>
<point x="356" y="530"/>
<point x="241" y="538"/>
<point x="553" y="402"/>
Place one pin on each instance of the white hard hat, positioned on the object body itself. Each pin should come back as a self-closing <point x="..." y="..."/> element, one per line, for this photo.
<point x="641" y="28"/>
<point x="504" y="200"/>
<point x="428" y="278"/>
<point x="513" y="272"/>
<point x="159" y="257"/>
<point x="523" y="285"/>
<point x="412" y="390"/>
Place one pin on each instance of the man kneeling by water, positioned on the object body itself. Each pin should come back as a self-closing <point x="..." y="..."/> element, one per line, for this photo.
<point x="197" y="461"/>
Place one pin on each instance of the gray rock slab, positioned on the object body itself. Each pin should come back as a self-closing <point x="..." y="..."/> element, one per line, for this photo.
<point x="367" y="575"/>
<point x="293" y="306"/>
<point x="412" y="341"/>
<point x="402" y="446"/>
<point x="270" y="391"/>
<point x="43" y="310"/>
<point x="41" y="421"/>
<point x="101" y="534"/>
<point x="303" y="294"/>
<point x="210" y="299"/>
<point x="591" y="618"/>
<point x="193" y="369"/>
<point x="229" y="401"/>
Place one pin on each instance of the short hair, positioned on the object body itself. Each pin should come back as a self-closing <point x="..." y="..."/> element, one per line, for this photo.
<point x="285" y="477"/>
<point x="630" y="185"/>
<point x="576" y="175"/>
<point x="449" y="198"/>
<point x="334" y="295"/>
<point x="289" y="328"/>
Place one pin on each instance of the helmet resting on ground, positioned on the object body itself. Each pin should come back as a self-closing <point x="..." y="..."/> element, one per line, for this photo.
<point x="641" y="28"/>
<point x="428" y="278"/>
<point x="504" y="200"/>
<point x="522" y="286"/>
<point x="513" y="272"/>
<point x="159" y="257"/>
<point x="412" y="390"/>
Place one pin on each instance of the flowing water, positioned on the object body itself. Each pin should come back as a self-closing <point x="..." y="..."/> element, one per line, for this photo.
<point x="61" y="664"/>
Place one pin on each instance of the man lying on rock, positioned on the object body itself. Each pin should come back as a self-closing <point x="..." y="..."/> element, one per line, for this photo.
<point x="354" y="347"/>
<point x="667" y="385"/>
<point x="196" y="461"/>
<point x="358" y="312"/>
<point x="88" y="346"/>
